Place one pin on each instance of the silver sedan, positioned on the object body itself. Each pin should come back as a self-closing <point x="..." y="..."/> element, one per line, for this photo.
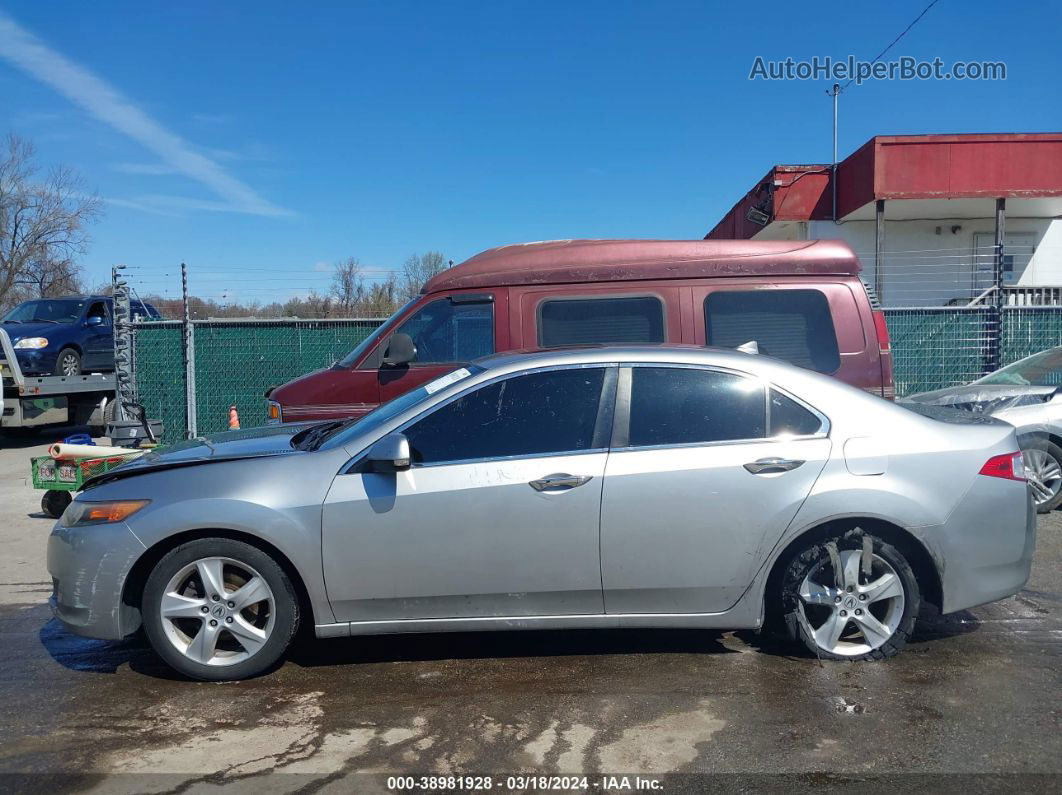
<point x="600" y="487"/>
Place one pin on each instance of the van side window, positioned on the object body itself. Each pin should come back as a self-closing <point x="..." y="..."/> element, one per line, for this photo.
<point x="447" y="332"/>
<point x="581" y="321"/>
<point x="793" y="325"/>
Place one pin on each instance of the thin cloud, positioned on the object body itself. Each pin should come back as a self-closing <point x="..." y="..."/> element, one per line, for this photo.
<point x="28" y="53"/>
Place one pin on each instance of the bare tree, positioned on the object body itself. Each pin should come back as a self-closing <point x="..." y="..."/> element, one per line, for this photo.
<point x="348" y="286"/>
<point x="43" y="219"/>
<point x="417" y="270"/>
<point x="48" y="277"/>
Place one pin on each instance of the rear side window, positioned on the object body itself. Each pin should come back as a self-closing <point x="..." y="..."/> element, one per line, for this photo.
<point x="671" y="405"/>
<point x="789" y="418"/>
<point x="582" y="321"/>
<point x="793" y="325"/>
<point x="534" y="414"/>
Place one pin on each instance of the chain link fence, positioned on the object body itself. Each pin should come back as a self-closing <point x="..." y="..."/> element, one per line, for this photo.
<point x="236" y="361"/>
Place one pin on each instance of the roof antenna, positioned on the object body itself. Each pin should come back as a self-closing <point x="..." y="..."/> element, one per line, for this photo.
<point x="749" y="347"/>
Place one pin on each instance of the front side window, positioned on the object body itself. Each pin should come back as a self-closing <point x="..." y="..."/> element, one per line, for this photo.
<point x="587" y="321"/>
<point x="673" y="405"/>
<point x="444" y="331"/>
<point x="793" y="325"/>
<point x="534" y="414"/>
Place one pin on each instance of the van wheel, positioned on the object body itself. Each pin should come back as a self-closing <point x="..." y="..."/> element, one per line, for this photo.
<point x="219" y="609"/>
<point x="841" y="612"/>
<point x="68" y="363"/>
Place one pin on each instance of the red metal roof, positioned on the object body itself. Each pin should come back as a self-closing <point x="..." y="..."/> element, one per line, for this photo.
<point x="574" y="261"/>
<point x="989" y="165"/>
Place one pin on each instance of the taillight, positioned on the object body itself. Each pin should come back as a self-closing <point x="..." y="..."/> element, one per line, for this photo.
<point x="1010" y="466"/>
<point x="882" y="329"/>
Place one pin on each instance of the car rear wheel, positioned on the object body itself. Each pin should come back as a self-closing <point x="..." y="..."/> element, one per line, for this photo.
<point x="219" y="609"/>
<point x="1043" y="469"/>
<point x="68" y="363"/>
<point x="852" y="597"/>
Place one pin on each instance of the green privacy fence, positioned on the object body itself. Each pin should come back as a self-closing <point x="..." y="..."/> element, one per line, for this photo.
<point x="237" y="361"/>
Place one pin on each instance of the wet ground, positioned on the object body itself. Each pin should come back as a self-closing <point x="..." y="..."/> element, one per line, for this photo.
<point x="978" y="693"/>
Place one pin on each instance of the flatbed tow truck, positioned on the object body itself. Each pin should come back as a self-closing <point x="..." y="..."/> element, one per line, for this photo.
<point x="39" y="401"/>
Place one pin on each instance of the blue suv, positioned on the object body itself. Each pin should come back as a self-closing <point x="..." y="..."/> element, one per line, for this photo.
<point x="67" y="336"/>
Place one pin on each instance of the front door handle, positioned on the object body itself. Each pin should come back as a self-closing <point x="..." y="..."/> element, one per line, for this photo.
<point x="767" y="466"/>
<point x="559" y="481"/>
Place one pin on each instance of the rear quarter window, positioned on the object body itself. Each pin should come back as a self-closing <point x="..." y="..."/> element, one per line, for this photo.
<point x="585" y="321"/>
<point x="793" y="325"/>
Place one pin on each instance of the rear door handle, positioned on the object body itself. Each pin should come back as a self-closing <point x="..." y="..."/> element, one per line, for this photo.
<point x="559" y="481"/>
<point x="767" y="466"/>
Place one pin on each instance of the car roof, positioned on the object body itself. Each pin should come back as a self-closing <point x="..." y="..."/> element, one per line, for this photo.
<point x="580" y="261"/>
<point x="664" y="353"/>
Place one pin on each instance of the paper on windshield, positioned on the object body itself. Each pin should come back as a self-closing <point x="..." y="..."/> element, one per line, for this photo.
<point x="444" y="381"/>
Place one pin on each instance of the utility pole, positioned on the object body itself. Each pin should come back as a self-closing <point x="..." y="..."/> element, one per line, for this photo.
<point x="834" y="92"/>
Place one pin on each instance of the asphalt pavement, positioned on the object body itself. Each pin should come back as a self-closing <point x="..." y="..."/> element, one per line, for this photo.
<point x="973" y="703"/>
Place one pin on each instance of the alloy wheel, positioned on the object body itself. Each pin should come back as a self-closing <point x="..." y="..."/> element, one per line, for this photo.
<point x="69" y="365"/>
<point x="217" y="611"/>
<point x="1044" y="475"/>
<point x="852" y="614"/>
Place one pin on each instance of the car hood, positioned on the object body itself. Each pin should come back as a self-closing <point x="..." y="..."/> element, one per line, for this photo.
<point x="231" y="446"/>
<point x="985" y="398"/>
<point x="18" y="331"/>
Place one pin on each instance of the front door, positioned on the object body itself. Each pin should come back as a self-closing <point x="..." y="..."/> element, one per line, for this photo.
<point x="702" y="481"/>
<point x="498" y="516"/>
<point x="447" y="333"/>
<point x="99" y="339"/>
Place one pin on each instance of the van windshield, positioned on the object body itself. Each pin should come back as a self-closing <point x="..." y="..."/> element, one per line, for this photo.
<point x="351" y="358"/>
<point x="48" y="311"/>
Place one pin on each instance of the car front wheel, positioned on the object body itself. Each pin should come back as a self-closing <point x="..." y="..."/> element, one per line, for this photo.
<point x="68" y="363"/>
<point x="219" y="609"/>
<point x="851" y="597"/>
<point x="1043" y="470"/>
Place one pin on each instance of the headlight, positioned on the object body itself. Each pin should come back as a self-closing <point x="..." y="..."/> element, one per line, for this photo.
<point x="32" y="342"/>
<point x="78" y="513"/>
<point x="274" y="414"/>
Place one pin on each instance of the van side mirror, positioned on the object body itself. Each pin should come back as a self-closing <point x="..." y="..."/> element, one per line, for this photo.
<point x="389" y="454"/>
<point x="94" y="320"/>
<point x="400" y="350"/>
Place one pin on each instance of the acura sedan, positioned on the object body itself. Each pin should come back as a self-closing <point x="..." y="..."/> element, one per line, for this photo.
<point x="598" y="487"/>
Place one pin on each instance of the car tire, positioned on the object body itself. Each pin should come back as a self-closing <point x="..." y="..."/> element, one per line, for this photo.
<point x="1043" y="462"/>
<point x="224" y="641"/>
<point x="68" y="363"/>
<point x="853" y="618"/>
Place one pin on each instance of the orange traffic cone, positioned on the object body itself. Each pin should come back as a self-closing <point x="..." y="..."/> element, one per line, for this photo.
<point x="234" y="419"/>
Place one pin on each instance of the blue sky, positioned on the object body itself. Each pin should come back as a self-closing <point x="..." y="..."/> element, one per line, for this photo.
<point x="260" y="142"/>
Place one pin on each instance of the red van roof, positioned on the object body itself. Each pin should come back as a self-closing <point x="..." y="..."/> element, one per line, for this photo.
<point x="573" y="261"/>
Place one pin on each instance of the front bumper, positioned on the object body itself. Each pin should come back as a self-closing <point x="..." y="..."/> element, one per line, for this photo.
<point x="40" y="361"/>
<point x="89" y="567"/>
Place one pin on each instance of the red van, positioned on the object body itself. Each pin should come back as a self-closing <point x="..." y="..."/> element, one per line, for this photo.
<point x="801" y="301"/>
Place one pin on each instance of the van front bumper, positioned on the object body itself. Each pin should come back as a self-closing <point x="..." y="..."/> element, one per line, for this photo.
<point x="89" y="567"/>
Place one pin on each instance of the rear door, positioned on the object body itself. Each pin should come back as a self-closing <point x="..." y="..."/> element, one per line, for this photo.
<point x="707" y="469"/>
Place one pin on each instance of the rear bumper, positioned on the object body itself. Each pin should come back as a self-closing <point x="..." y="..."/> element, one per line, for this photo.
<point x="987" y="544"/>
<point x="89" y="567"/>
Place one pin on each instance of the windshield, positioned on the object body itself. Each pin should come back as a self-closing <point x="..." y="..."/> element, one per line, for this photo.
<point x="386" y="411"/>
<point x="52" y="311"/>
<point x="352" y="358"/>
<point x="1041" y="369"/>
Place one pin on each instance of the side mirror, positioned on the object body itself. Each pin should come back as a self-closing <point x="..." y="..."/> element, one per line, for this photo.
<point x="94" y="320"/>
<point x="389" y="454"/>
<point x="400" y="350"/>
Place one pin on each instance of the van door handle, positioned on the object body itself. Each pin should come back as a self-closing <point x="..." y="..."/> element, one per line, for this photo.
<point x="559" y="481"/>
<point x="767" y="466"/>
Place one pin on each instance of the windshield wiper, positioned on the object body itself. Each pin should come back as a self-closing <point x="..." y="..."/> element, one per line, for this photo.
<point x="311" y="438"/>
